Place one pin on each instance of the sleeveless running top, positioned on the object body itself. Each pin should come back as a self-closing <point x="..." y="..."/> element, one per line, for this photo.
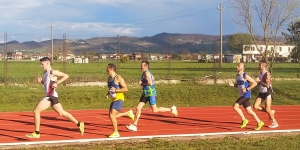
<point x="113" y="95"/>
<point x="49" y="80"/>
<point x="263" y="78"/>
<point x="243" y="83"/>
<point x="148" y="90"/>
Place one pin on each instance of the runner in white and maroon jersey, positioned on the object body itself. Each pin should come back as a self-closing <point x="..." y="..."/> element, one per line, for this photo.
<point x="50" y="83"/>
<point x="265" y="92"/>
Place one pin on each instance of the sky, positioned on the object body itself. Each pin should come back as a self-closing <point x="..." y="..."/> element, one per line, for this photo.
<point x="32" y="19"/>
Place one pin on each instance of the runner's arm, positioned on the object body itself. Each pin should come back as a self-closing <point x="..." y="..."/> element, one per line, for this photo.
<point x="252" y="82"/>
<point x="60" y="74"/>
<point x="123" y="86"/>
<point x="147" y="76"/>
<point x="268" y="79"/>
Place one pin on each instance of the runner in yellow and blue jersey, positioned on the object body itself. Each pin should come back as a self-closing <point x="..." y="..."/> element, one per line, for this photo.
<point x="116" y="88"/>
<point x="148" y="94"/>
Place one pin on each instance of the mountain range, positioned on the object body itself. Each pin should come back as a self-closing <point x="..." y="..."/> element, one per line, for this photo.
<point x="159" y="43"/>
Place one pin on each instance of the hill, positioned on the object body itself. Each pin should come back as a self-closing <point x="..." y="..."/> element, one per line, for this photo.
<point x="159" y="43"/>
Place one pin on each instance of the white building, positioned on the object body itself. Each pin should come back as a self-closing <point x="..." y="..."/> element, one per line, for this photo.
<point x="232" y="58"/>
<point x="251" y="53"/>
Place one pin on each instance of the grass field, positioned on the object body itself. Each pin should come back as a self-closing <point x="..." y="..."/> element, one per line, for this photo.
<point x="27" y="71"/>
<point x="278" y="142"/>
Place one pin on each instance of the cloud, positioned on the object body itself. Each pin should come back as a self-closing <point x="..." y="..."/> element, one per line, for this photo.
<point x="109" y="17"/>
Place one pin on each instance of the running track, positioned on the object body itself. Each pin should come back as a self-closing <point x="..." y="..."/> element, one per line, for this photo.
<point x="192" y="121"/>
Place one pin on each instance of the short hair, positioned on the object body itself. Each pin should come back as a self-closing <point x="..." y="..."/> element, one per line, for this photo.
<point x="45" y="59"/>
<point x="243" y="64"/>
<point x="146" y="62"/>
<point x="112" y="66"/>
<point x="263" y="61"/>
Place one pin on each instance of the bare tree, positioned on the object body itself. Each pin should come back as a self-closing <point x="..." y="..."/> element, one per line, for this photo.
<point x="271" y="16"/>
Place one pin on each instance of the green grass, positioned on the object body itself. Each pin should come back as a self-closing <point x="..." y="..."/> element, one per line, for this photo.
<point x="24" y="98"/>
<point x="282" y="142"/>
<point x="27" y="71"/>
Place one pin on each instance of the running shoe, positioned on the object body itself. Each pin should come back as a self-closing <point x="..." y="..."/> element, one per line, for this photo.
<point x="244" y="123"/>
<point x="174" y="111"/>
<point x="132" y="127"/>
<point x="261" y="124"/>
<point x="130" y="114"/>
<point x="33" y="135"/>
<point x="114" y="135"/>
<point x="81" y="127"/>
<point x="274" y="125"/>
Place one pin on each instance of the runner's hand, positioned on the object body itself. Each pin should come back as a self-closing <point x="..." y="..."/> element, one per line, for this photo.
<point x="39" y="79"/>
<point x="257" y="80"/>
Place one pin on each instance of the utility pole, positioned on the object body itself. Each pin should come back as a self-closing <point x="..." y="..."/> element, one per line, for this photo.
<point x="51" y="43"/>
<point x="169" y="57"/>
<point x="221" y="39"/>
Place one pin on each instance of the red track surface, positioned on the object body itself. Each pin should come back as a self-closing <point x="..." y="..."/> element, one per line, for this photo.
<point x="192" y="120"/>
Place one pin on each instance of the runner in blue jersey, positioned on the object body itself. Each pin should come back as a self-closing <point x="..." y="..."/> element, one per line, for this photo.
<point x="245" y="83"/>
<point x="148" y="95"/>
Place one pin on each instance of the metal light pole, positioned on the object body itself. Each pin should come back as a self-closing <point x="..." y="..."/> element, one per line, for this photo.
<point x="221" y="39"/>
<point x="51" y="43"/>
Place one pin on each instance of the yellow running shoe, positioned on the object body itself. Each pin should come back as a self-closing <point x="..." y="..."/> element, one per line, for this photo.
<point x="261" y="124"/>
<point x="130" y="114"/>
<point x="114" y="135"/>
<point x="244" y="123"/>
<point x="33" y="135"/>
<point x="174" y="111"/>
<point x="81" y="127"/>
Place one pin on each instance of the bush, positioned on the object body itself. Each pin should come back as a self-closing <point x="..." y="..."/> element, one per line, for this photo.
<point x="125" y="59"/>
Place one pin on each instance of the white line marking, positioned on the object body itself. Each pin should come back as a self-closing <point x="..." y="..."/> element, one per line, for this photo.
<point x="146" y="137"/>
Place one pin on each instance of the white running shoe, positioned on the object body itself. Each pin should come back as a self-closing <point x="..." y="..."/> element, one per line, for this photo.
<point x="274" y="125"/>
<point x="174" y="111"/>
<point x="131" y="127"/>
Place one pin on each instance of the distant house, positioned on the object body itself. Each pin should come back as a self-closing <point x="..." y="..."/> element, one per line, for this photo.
<point x="17" y="56"/>
<point x="103" y="57"/>
<point x="233" y="58"/>
<point x="251" y="53"/>
<point x="136" y="56"/>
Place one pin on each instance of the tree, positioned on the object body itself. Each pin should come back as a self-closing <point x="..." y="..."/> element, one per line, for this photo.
<point x="272" y="15"/>
<point x="237" y="41"/>
<point x="294" y="38"/>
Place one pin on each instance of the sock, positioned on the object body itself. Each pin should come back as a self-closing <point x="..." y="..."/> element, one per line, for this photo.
<point x="37" y="132"/>
<point x="78" y="124"/>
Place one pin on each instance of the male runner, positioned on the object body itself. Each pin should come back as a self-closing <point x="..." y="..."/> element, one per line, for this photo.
<point x="265" y="93"/>
<point x="245" y="83"/>
<point x="149" y="94"/>
<point x="50" y="83"/>
<point x="116" y="88"/>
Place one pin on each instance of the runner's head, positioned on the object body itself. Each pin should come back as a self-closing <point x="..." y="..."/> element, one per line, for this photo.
<point x="111" y="68"/>
<point x="240" y="67"/>
<point x="45" y="63"/>
<point x="144" y="65"/>
<point x="262" y="65"/>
